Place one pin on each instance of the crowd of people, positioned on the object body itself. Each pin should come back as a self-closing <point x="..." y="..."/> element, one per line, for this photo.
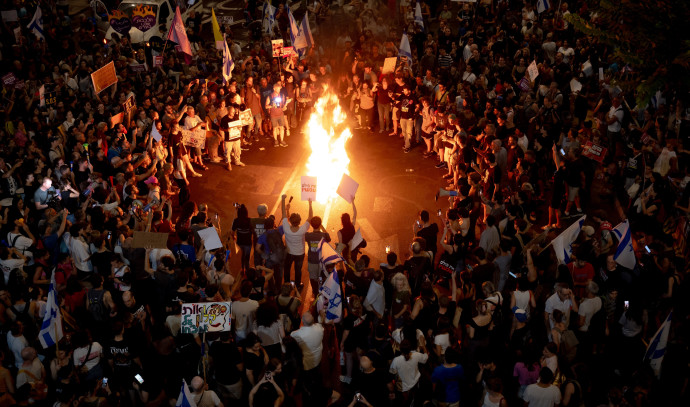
<point x="477" y="311"/>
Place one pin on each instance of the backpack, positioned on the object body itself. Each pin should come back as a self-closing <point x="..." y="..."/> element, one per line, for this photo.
<point x="276" y="246"/>
<point x="25" y="319"/>
<point x="568" y="346"/>
<point x="96" y="307"/>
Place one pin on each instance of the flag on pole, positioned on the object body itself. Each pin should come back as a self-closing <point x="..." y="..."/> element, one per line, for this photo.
<point x="542" y="6"/>
<point x="418" y="19"/>
<point x="269" y="17"/>
<point x="51" y="328"/>
<point x="36" y="24"/>
<point x="331" y="298"/>
<point x="178" y="34"/>
<point x="563" y="243"/>
<point x="625" y="255"/>
<point x="185" y="398"/>
<point x="216" y="31"/>
<point x="405" y="50"/>
<point x="657" y="346"/>
<point x="228" y="63"/>
<point x="327" y="254"/>
<point x="295" y="33"/>
<point x="305" y="32"/>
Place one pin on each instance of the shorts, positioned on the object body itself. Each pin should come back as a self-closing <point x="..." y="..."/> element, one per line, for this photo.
<point x="572" y="193"/>
<point x="426" y="135"/>
<point x="278" y="121"/>
<point x="396" y="113"/>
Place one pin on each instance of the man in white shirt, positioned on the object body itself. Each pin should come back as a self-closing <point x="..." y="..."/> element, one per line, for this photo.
<point x="202" y="396"/>
<point x="294" y="241"/>
<point x="244" y="312"/>
<point x="614" y="120"/>
<point x="561" y="300"/>
<point x="543" y="393"/>
<point x="406" y="366"/>
<point x="375" y="300"/>
<point x="310" y="339"/>
<point x="10" y="259"/>
<point x="589" y="306"/>
<point x="79" y="249"/>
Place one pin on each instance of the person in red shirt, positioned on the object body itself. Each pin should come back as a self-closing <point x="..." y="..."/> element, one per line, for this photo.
<point x="582" y="273"/>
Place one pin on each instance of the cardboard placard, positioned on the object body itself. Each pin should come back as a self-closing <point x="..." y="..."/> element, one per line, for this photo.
<point x="389" y="65"/>
<point x="356" y="240"/>
<point x="194" y="138"/>
<point x="9" y="79"/>
<point x="289" y="52"/>
<point x="158" y="60"/>
<point x="347" y="188"/>
<point x="210" y="238"/>
<point x="150" y="239"/>
<point x="247" y="117"/>
<point x="533" y="71"/>
<point x="117" y="119"/>
<point x="205" y="317"/>
<point x="235" y="130"/>
<point x="225" y="20"/>
<point x="308" y="188"/>
<point x="104" y="77"/>
<point x="575" y="86"/>
<point x="277" y="48"/>
<point x="155" y="133"/>
<point x="594" y="152"/>
<point x="129" y="104"/>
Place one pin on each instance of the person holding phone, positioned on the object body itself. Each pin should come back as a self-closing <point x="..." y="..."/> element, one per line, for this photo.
<point x="202" y="396"/>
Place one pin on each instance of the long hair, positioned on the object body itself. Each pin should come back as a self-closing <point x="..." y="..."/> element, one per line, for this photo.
<point x="400" y="277"/>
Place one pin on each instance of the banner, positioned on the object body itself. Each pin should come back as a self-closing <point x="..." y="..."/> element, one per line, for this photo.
<point x="277" y="48"/>
<point x="247" y="117"/>
<point x="194" y="138"/>
<point x="104" y="77"/>
<point x="143" y="17"/>
<point x="594" y="152"/>
<point x="119" y="22"/>
<point x="308" y="188"/>
<point x="205" y="317"/>
<point x="150" y="239"/>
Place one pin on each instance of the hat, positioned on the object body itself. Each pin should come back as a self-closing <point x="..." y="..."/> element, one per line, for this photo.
<point x="589" y="231"/>
<point x="520" y="314"/>
<point x="151" y="180"/>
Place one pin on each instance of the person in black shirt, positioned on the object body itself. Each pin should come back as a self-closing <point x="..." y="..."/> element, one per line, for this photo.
<point x="427" y="231"/>
<point x="226" y="365"/>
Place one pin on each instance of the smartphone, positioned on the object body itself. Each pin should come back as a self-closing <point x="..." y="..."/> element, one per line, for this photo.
<point x="110" y="234"/>
<point x="216" y="216"/>
<point x="512" y="274"/>
<point x="139" y="378"/>
<point x="105" y="382"/>
<point x="626" y="304"/>
<point x="647" y="249"/>
<point x="268" y="375"/>
<point x="388" y="249"/>
<point x="440" y="212"/>
<point x="293" y="283"/>
<point x="358" y="396"/>
<point x="562" y="152"/>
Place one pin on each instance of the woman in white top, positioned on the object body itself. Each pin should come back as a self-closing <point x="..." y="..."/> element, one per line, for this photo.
<point x="270" y="329"/>
<point x="294" y="240"/>
<point x="87" y="357"/>
<point x="522" y="297"/>
<point x="406" y="369"/>
<point x="120" y="273"/>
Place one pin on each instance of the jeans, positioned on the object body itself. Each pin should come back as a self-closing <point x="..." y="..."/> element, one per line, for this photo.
<point x="367" y="117"/>
<point x="384" y="116"/>
<point x="407" y="126"/>
<point x="298" y="260"/>
<point x="246" y="251"/>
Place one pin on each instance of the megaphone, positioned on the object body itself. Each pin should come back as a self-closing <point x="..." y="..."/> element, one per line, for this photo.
<point x="444" y="192"/>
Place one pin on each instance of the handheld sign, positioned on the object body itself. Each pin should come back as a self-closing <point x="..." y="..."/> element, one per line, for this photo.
<point x="533" y="71"/>
<point x="308" y="188"/>
<point x="210" y="238"/>
<point x="277" y="48"/>
<point x="347" y="188"/>
<point x="389" y="65"/>
<point x="205" y="317"/>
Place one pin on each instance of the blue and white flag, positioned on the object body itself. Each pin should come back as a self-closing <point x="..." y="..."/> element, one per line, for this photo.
<point x="563" y="243"/>
<point x="185" y="398"/>
<point x="542" y="6"/>
<point x="405" y="50"/>
<point x="269" y="17"/>
<point x="418" y="19"/>
<point x="36" y="24"/>
<point x="657" y="346"/>
<point x="327" y="254"/>
<point x="331" y="298"/>
<point x="51" y="328"/>
<point x="228" y="63"/>
<point x="305" y="35"/>
<point x="625" y="255"/>
<point x="294" y="31"/>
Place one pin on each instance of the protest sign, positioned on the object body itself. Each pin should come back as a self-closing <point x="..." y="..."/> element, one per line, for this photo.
<point x="205" y="317"/>
<point x="347" y="188"/>
<point x="533" y="71"/>
<point x="17" y="34"/>
<point x="308" y="187"/>
<point x="158" y="61"/>
<point x="601" y="74"/>
<point x="194" y="138"/>
<point x="277" y="48"/>
<point x="156" y="134"/>
<point x="143" y="17"/>
<point x="246" y="117"/>
<point x="9" y="79"/>
<point x="19" y="85"/>
<point x="575" y="86"/>
<point x="235" y="130"/>
<point x="119" y="22"/>
<point x="210" y="238"/>
<point x="50" y="98"/>
<point x="138" y="67"/>
<point x="594" y="152"/>
<point x="150" y="239"/>
<point x="523" y="84"/>
<point x="10" y="16"/>
<point x="356" y="240"/>
<point x="288" y="52"/>
<point x="389" y="65"/>
<point x="104" y="77"/>
<point x="225" y="20"/>
<point x="117" y="119"/>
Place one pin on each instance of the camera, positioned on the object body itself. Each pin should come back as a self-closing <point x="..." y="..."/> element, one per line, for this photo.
<point x="54" y="201"/>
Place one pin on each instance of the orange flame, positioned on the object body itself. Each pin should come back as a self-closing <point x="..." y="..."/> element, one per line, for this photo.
<point x="328" y="132"/>
<point x="143" y="11"/>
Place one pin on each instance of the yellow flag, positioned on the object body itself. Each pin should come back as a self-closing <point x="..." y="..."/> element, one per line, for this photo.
<point x="216" y="30"/>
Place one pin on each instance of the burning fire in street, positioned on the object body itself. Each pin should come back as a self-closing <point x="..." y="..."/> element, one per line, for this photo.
<point x="328" y="133"/>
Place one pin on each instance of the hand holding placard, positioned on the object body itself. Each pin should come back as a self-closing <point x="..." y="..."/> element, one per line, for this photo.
<point x="308" y="188"/>
<point x="347" y="188"/>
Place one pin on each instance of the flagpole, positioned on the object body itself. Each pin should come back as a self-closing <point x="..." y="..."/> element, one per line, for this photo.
<point x="57" y="341"/>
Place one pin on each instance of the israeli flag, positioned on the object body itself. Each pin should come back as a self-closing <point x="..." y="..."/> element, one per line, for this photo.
<point x="305" y="33"/>
<point x="405" y="50"/>
<point x="657" y="346"/>
<point x="563" y="243"/>
<point x="418" y="16"/>
<point x="327" y="254"/>
<point x="36" y="24"/>
<point x="625" y="255"/>
<point x="295" y="32"/>
<point x="185" y="398"/>
<point x="228" y="63"/>
<point x="542" y="6"/>
<point x="51" y="328"/>
<point x="269" y="17"/>
<point x="331" y="298"/>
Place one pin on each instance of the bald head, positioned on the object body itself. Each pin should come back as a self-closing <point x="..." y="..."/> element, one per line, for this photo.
<point x="197" y="384"/>
<point x="307" y="319"/>
<point x="28" y="354"/>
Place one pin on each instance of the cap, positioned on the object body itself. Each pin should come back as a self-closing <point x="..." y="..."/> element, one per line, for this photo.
<point x="520" y="314"/>
<point x="589" y="231"/>
<point x="151" y="180"/>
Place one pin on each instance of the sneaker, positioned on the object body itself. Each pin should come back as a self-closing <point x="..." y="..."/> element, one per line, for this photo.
<point x="441" y="164"/>
<point x="287" y="134"/>
<point x="216" y="160"/>
<point x="566" y="213"/>
<point x="283" y="144"/>
<point x="240" y="164"/>
<point x="391" y="134"/>
<point x="196" y="175"/>
<point x="406" y="150"/>
<point x="579" y="210"/>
